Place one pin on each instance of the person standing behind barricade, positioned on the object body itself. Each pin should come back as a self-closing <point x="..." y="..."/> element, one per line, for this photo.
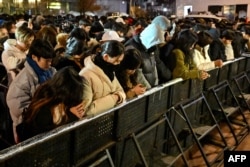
<point x="246" y="36"/>
<point x="164" y="72"/>
<point x="227" y="38"/>
<point x="102" y="90"/>
<point x="136" y="28"/>
<point x="74" y="51"/>
<point x="37" y="69"/>
<point x="120" y="28"/>
<point x="152" y="69"/>
<point x="14" y="54"/>
<point x="11" y="27"/>
<point x="181" y="59"/>
<point x="107" y="36"/>
<point x="56" y="102"/>
<point x="47" y="33"/>
<point x="97" y="28"/>
<point x="200" y="54"/>
<point x="127" y="75"/>
<point x="238" y="43"/>
<point x="222" y="48"/>
<point x="162" y="22"/>
<point x="167" y="48"/>
<point x="37" y="22"/>
<point x="86" y="26"/>
<point x="61" y="42"/>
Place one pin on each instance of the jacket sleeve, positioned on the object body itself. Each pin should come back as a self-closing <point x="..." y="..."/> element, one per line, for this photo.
<point x="119" y="91"/>
<point x="18" y="98"/>
<point x="163" y="71"/>
<point x="202" y="65"/>
<point x="206" y="66"/>
<point x="141" y="79"/>
<point x="102" y="104"/>
<point x="181" y="70"/>
<point x="10" y="61"/>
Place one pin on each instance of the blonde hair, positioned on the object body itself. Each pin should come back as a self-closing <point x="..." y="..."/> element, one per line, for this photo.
<point x="24" y="33"/>
<point x="62" y="38"/>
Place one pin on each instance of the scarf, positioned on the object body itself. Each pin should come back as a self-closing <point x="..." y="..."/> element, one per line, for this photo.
<point x="43" y="75"/>
<point x="107" y="68"/>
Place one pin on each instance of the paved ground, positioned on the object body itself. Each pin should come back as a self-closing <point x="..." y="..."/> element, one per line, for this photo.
<point x="195" y="158"/>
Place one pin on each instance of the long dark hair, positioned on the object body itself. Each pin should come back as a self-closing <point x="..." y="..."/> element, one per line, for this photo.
<point x="65" y="87"/>
<point x="185" y="39"/>
<point x="131" y="61"/>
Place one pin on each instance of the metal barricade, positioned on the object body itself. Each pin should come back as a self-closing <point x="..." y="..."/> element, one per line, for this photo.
<point x="129" y="134"/>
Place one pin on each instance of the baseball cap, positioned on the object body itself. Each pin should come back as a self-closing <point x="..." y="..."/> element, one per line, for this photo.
<point x="111" y="35"/>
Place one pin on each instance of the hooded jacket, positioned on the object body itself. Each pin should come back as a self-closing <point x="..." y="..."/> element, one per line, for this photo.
<point x="13" y="59"/>
<point x="163" y="22"/>
<point x="147" y="43"/>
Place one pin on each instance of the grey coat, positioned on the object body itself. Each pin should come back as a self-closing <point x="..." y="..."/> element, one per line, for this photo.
<point x="21" y="91"/>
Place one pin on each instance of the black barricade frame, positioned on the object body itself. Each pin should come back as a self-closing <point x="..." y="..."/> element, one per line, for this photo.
<point x="113" y="133"/>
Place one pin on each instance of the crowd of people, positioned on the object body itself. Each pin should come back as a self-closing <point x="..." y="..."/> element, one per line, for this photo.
<point x="59" y="73"/>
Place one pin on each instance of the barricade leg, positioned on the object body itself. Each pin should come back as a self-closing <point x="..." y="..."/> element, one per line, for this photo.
<point x="102" y="159"/>
<point x="203" y="126"/>
<point x="227" y="110"/>
<point x="163" y="159"/>
<point x="242" y="83"/>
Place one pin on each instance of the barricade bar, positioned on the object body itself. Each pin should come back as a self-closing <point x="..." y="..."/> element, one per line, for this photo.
<point x="148" y="101"/>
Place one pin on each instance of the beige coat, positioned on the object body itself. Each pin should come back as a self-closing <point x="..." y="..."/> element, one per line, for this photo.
<point x="98" y="89"/>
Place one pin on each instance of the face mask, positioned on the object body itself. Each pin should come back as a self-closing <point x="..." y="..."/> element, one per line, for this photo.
<point x="112" y="66"/>
<point x="99" y="61"/>
<point x="2" y="40"/>
<point x="12" y="35"/>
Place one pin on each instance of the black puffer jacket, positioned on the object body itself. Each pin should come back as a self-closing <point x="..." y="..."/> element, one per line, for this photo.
<point x="152" y="67"/>
<point x="217" y="50"/>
